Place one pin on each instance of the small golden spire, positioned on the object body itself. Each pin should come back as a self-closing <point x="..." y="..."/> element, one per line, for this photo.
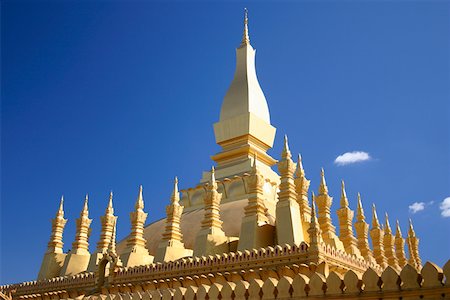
<point x="398" y="232"/>
<point x="360" y="211"/>
<point x="85" y="210"/>
<point x="323" y="189"/>
<point x="140" y="200"/>
<point x="286" y="152"/>
<point x="212" y="181"/>
<point x="375" y="222"/>
<point x="175" y="198"/>
<point x="300" y="172"/>
<point x="109" y="208"/>
<point x="411" y="231"/>
<point x="387" y="226"/>
<point x="255" y="158"/>
<point x="245" y="36"/>
<point x="344" y="200"/>
<point x="60" y="211"/>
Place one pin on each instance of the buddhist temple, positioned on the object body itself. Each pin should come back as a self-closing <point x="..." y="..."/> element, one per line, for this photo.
<point x="254" y="227"/>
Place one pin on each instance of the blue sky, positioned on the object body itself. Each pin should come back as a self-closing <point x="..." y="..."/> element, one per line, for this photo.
<point x="108" y="95"/>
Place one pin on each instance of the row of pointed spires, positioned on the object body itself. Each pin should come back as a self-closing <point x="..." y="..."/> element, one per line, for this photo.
<point x="213" y="224"/>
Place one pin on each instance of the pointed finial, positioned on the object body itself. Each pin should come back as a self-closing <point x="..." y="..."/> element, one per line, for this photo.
<point x="300" y="172"/>
<point x="213" y="178"/>
<point x="387" y="226"/>
<point x="61" y="207"/>
<point x="411" y="231"/>
<point x="360" y="211"/>
<point x="140" y="200"/>
<point x="286" y="152"/>
<point x="175" y="199"/>
<point x="245" y="36"/>
<point x="85" y="211"/>
<point x="110" y="209"/>
<point x="323" y="189"/>
<point x="375" y="222"/>
<point x="255" y="158"/>
<point x="344" y="200"/>
<point x="398" y="232"/>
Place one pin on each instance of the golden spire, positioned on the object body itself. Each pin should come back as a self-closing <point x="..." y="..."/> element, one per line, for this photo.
<point x="212" y="221"/>
<point x="175" y="198"/>
<point x="375" y="222"/>
<point x="255" y="183"/>
<point x="360" y="211"/>
<point x="287" y="212"/>
<point x="140" y="200"/>
<point x="299" y="172"/>
<point x="137" y="217"/>
<point x="362" y="232"/>
<point x="286" y="153"/>
<point x="108" y="220"/>
<point x="345" y="216"/>
<point x="387" y="226"/>
<point x="80" y="245"/>
<point x="302" y="187"/>
<point x="314" y="230"/>
<point x="173" y="216"/>
<point x="109" y="208"/>
<point x="377" y="235"/>
<point x="389" y="245"/>
<point x="136" y="252"/>
<point x="55" y="245"/>
<point x="245" y="36"/>
<point x="255" y="158"/>
<point x="60" y="212"/>
<point x="413" y="246"/>
<point x="400" y="247"/>
<point x="323" y="189"/>
<point x="324" y="202"/>
<point x="344" y="200"/>
<point x="212" y="181"/>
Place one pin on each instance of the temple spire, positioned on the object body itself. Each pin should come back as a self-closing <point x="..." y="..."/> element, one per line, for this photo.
<point x="245" y="36"/>
<point x="389" y="245"/>
<point x="211" y="238"/>
<point x="244" y="124"/>
<point x="377" y="235"/>
<point x="289" y="224"/>
<point x="323" y="189"/>
<point x="324" y="202"/>
<point x="302" y="187"/>
<point x="140" y="200"/>
<point x="344" y="200"/>
<point x="362" y="232"/>
<point x="175" y="198"/>
<point x="413" y="247"/>
<point x="400" y="246"/>
<point x="107" y="220"/>
<point x="80" y="245"/>
<point x="286" y="153"/>
<point x="375" y="222"/>
<point x="171" y="246"/>
<point x="136" y="252"/>
<point x="55" y="245"/>
<point x="345" y="215"/>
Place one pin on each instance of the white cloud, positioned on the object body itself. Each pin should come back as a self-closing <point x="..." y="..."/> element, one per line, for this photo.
<point x="416" y="207"/>
<point x="445" y="207"/>
<point x="351" y="158"/>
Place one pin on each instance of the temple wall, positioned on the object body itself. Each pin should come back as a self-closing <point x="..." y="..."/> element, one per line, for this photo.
<point x="282" y="282"/>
